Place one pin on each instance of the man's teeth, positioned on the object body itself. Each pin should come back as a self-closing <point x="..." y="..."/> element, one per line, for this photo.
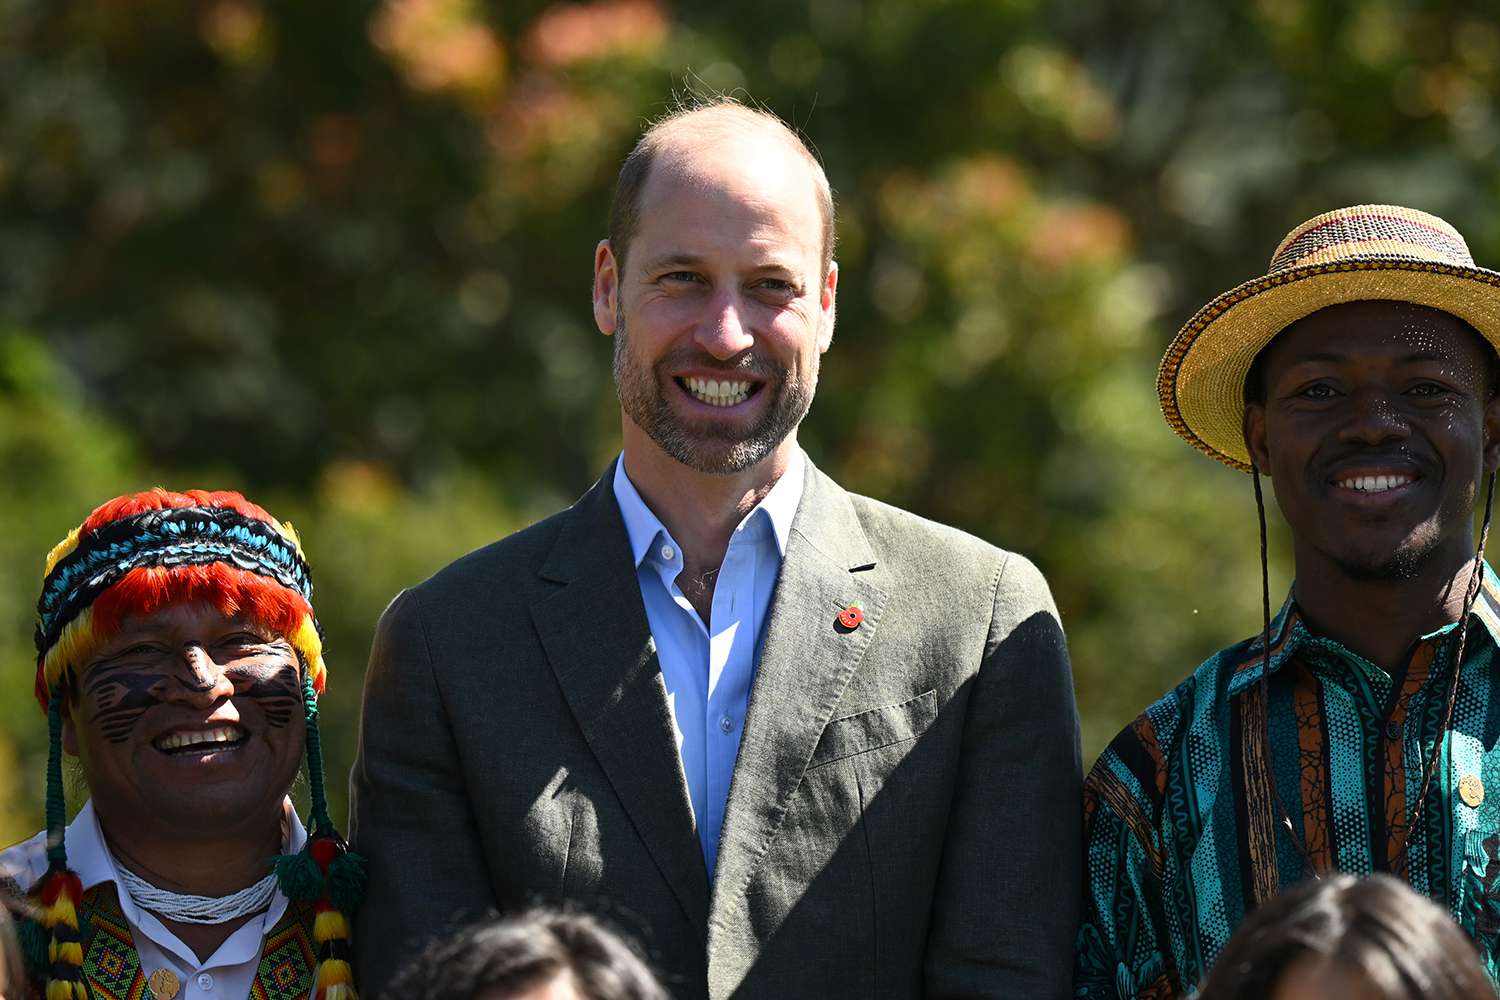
<point x="1375" y="484"/>
<point x="203" y="737"/>
<point x="716" y="393"/>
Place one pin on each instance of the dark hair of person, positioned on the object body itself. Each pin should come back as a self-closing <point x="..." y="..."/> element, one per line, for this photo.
<point x="624" y="209"/>
<point x="507" y="957"/>
<point x="1378" y="928"/>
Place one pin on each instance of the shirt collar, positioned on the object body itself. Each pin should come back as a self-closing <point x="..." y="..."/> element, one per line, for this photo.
<point x="1289" y="633"/>
<point x="90" y="858"/>
<point x="778" y="508"/>
<point x="781" y="503"/>
<point x="1487" y="604"/>
<point x="87" y="854"/>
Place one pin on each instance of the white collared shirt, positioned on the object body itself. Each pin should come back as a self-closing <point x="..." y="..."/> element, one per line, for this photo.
<point x="226" y="975"/>
<point x="708" y="669"/>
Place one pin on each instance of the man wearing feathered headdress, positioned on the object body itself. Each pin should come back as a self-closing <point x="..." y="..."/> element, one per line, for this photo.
<point x="179" y="660"/>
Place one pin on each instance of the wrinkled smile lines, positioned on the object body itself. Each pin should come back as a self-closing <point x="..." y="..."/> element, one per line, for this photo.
<point x="208" y="737"/>
<point x="717" y="392"/>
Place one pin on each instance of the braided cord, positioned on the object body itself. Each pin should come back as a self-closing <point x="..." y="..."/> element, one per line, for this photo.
<point x="1309" y="867"/>
<point x="322" y="824"/>
<point x="57" y="809"/>
<point x="1476" y="579"/>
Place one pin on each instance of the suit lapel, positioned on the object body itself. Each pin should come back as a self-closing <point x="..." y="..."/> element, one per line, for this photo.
<point x="806" y="661"/>
<point x="598" y="641"/>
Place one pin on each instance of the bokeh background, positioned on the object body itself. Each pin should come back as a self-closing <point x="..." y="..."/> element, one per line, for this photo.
<point x="337" y="255"/>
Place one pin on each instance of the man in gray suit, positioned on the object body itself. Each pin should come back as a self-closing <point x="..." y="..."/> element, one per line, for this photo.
<point x="799" y="742"/>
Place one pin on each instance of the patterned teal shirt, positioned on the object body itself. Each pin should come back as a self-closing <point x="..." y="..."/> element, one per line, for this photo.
<point x="1181" y="837"/>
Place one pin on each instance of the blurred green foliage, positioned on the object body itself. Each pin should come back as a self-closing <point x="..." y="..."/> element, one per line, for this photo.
<point x="337" y="254"/>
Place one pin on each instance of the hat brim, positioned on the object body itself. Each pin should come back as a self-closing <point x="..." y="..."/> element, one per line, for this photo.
<point x="1201" y="382"/>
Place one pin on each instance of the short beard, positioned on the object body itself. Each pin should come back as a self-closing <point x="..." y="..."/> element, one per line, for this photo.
<point x="1398" y="567"/>
<point x="713" y="450"/>
<point x="1403" y="564"/>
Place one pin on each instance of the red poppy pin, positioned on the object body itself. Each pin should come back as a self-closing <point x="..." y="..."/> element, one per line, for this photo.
<point x="851" y="616"/>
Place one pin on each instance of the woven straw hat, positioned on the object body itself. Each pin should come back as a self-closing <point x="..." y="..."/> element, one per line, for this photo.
<point x="1349" y="255"/>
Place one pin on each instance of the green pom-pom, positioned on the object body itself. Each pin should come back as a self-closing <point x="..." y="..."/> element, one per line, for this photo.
<point x="298" y="876"/>
<point x="347" y="875"/>
<point x="33" y="946"/>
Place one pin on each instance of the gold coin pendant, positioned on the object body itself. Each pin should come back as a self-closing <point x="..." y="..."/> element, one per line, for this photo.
<point x="164" y="984"/>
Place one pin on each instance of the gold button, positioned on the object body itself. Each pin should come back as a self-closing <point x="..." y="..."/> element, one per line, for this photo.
<point x="1471" y="789"/>
<point x="164" y="984"/>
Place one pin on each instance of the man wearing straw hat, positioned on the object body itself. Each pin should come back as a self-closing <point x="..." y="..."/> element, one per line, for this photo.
<point x="1360" y="375"/>
<point x="179" y="659"/>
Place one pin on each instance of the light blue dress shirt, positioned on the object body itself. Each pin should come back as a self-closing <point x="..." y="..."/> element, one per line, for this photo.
<point x="708" y="669"/>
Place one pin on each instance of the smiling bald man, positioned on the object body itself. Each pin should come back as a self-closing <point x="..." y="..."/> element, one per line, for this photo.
<point x="780" y="731"/>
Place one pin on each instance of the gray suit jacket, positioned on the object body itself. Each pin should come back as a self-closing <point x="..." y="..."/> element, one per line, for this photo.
<point x="904" y="815"/>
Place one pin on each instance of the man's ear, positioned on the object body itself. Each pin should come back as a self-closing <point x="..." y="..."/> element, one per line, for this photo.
<point x="827" y="305"/>
<point x="606" y="288"/>
<point x="1254" y="428"/>
<point x="1492" y="433"/>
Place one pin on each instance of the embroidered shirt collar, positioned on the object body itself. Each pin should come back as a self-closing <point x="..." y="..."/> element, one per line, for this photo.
<point x="775" y="512"/>
<point x="1289" y="633"/>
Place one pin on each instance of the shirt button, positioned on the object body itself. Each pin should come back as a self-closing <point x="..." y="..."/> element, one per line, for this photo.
<point x="726" y="725"/>
<point x="668" y="553"/>
<point x="1393" y="730"/>
<point x="205" y="982"/>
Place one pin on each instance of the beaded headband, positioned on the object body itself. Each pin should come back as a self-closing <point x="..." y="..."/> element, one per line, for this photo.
<point x="1349" y="255"/>
<point x="182" y="546"/>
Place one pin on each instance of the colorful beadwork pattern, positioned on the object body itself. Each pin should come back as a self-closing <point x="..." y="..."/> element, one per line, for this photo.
<point x="112" y="969"/>
<point x="110" y="965"/>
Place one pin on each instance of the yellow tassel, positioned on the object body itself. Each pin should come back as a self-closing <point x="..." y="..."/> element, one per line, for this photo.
<point x="330" y="925"/>
<point x="335" y="972"/>
<point x="76" y="644"/>
<point x="70" y="952"/>
<point x="305" y="640"/>
<point x="338" y="991"/>
<point x="60" y="912"/>
<point x="62" y="989"/>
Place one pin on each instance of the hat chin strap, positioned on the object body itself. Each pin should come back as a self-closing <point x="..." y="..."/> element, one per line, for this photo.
<point x="1476" y="579"/>
<point x="1283" y="817"/>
